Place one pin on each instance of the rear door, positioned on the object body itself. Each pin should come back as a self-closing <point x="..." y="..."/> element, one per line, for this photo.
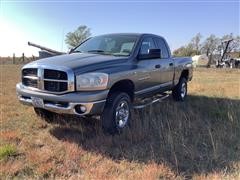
<point x="166" y="72"/>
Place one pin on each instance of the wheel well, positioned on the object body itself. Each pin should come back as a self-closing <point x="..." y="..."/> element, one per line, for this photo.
<point x="126" y="86"/>
<point x="185" y="74"/>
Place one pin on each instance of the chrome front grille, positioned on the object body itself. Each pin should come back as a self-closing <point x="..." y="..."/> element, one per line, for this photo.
<point x="55" y="74"/>
<point x="29" y="72"/>
<point x="30" y="82"/>
<point x="55" y="86"/>
<point x="48" y="80"/>
<point x="30" y="77"/>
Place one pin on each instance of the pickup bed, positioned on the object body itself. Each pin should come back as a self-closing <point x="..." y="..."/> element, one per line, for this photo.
<point x="103" y="76"/>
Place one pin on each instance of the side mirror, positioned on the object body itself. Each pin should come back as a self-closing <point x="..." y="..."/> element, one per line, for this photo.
<point x="152" y="54"/>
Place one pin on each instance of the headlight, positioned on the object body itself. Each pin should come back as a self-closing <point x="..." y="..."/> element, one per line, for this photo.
<point x="92" y="81"/>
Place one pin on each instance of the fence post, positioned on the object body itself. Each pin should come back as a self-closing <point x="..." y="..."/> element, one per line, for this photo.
<point x="23" y="58"/>
<point x="14" y="58"/>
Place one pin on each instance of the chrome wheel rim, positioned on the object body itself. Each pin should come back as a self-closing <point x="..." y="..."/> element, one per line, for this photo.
<point x="183" y="90"/>
<point x="122" y="113"/>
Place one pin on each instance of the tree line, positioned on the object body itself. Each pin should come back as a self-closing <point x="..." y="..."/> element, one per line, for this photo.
<point x="211" y="45"/>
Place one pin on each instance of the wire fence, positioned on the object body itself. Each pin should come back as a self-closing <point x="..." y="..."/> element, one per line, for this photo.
<point x="17" y="60"/>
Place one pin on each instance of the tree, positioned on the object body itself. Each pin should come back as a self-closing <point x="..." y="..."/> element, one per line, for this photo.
<point x="210" y="46"/>
<point x="180" y="51"/>
<point x="185" y="51"/>
<point x="79" y="35"/>
<point x="195" y="43"/>
<point x="191" y="49"/>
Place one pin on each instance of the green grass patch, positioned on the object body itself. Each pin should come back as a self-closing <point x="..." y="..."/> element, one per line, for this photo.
<point x="7" y="150"/>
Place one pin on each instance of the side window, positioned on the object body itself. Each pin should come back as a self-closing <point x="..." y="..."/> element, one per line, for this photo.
<point x="162" y="45"/>
<point x="147" y="44"/>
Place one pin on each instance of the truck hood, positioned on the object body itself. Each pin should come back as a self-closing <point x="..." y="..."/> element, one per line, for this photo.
<point x="80" y="62"/>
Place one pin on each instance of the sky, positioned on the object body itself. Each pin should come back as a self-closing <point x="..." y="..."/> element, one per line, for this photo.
<point x="47" y="22"/>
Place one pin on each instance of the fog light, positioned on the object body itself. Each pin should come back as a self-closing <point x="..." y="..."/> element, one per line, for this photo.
<point x="83" y="108"/>
<point x="80" y="109"/>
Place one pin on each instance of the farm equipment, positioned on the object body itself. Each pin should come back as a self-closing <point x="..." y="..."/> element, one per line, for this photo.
<point x="225" y="59"/>
<point x="45" y="52"/>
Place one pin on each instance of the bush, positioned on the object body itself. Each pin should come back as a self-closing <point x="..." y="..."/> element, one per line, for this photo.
<point x="7" y="150"/>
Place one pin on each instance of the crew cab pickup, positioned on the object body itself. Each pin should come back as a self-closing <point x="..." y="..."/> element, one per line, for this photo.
<point x="103" y="76"/>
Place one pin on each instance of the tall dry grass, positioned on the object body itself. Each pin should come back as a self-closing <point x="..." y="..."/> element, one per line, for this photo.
<point x="198" y="139"/>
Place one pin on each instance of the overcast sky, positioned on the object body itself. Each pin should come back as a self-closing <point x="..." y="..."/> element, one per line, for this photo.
<point x="46" y="23"/>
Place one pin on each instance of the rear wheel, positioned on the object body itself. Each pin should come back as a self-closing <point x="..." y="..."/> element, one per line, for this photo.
<point x="179" y="93"/>
<point x="117" y="113"/>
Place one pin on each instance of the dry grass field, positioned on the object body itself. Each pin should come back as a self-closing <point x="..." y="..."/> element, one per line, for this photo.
<point x="197" y="139"/>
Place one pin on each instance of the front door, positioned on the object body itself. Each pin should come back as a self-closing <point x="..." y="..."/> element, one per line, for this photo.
<point x="148" y="69"/>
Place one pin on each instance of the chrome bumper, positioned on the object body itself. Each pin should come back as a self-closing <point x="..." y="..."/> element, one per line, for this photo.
<point x="59" y="104"/>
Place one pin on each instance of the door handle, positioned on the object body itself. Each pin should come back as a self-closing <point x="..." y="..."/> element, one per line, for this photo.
<point x="158" y="66"/>
<point x="170" y="64"/>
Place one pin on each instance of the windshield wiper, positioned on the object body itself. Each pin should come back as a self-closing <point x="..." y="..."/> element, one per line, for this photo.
<point x="96" y="51"/>
<point x="99" y="51"/>
<point x="76" y="51"/>
<point x="123" y="55"/>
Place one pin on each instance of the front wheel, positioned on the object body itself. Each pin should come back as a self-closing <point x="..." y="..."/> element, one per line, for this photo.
<point x="117" y="113"/>
<point x="179" y="93"/>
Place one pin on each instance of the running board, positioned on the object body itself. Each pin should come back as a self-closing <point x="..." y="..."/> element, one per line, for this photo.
<point x="153" y="101"/>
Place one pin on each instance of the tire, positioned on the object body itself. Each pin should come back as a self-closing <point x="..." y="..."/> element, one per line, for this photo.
<point x="46" y="115"/>
<point x="117" y="113"/>
<point x="179" y="92"/>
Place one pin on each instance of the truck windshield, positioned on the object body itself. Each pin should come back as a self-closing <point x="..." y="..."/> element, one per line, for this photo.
<point x="116" y="45"/>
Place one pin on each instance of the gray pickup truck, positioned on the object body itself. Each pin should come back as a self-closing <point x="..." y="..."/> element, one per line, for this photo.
<point x="104" y="76"/>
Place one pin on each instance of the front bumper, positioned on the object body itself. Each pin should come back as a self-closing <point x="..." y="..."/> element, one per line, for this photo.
<point x="94" y="102"/>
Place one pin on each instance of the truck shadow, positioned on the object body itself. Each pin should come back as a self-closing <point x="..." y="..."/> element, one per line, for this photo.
<point x="200" y="135"/>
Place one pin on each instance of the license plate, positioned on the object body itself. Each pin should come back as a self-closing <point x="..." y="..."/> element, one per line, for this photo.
<point x="37" y="102"/>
